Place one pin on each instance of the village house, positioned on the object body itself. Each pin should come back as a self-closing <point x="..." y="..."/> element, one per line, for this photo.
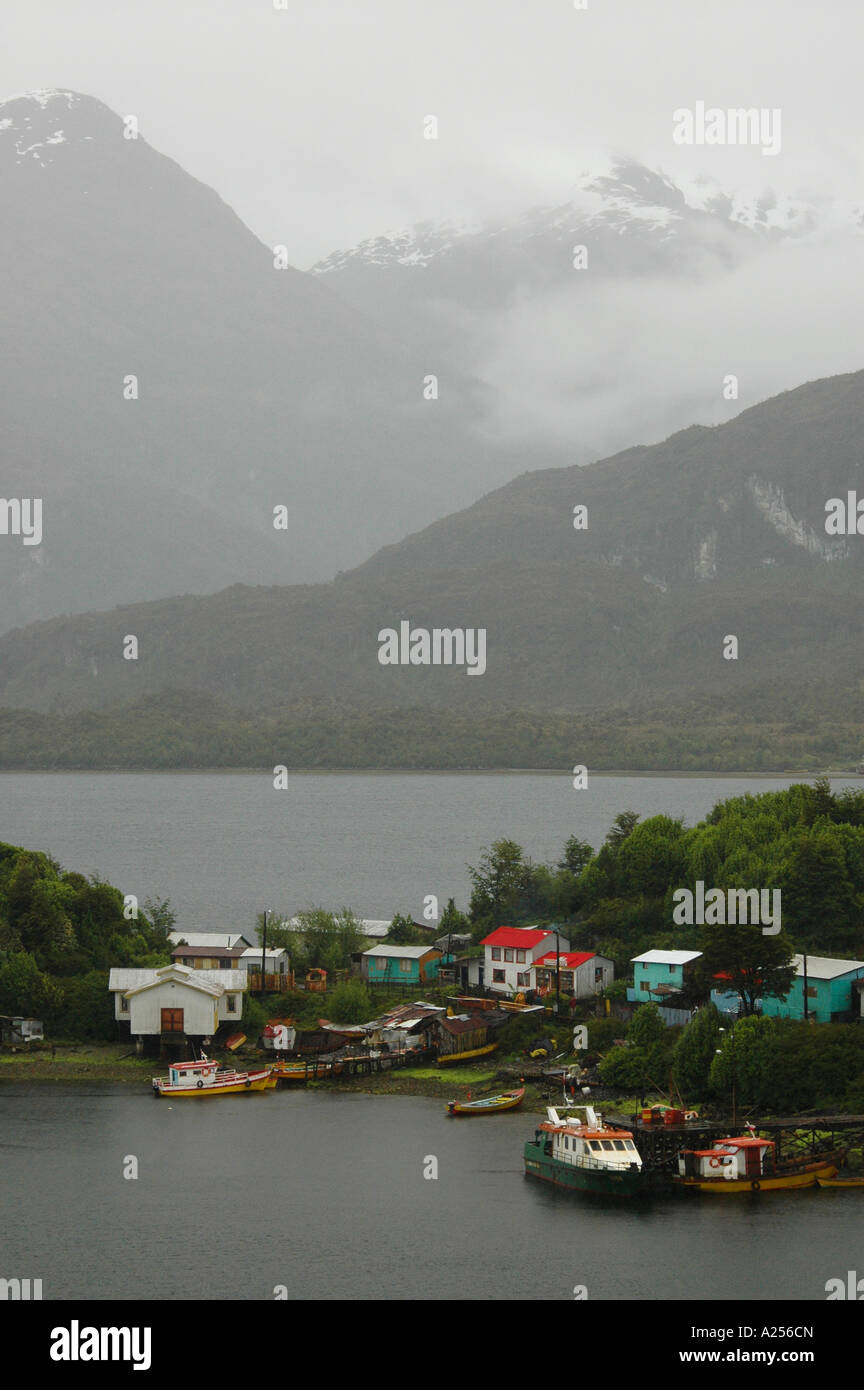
<point x="583" y="974"/>
<point x="217" y="940"/>
<point x="175" y="1003"/>
<point x="277" y="978"/>
<point x="208" y="957"/>
<point x="400" y="964"/>
<point x="510" y="956"/>
<point x="659" y="974"/>
<point x="831" y="993"/>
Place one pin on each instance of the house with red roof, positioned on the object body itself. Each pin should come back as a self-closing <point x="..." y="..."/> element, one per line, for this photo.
<point x="511" y="953"/>
<point x="582" y="974"/>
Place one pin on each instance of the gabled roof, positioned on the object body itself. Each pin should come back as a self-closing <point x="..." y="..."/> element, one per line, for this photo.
<point x="569" y="961"/>
<point x="131" y="980"/>
<point x="825" y="967"/>
<point x="217" y="940"/>
<point x="521" y="937"/>
<point x="666" y="957"/>
<point x="405" y="952"/>
<point x="181" y="953"/>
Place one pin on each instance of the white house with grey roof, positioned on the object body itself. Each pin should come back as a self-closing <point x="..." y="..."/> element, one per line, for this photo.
<point x="175" y="1003"/>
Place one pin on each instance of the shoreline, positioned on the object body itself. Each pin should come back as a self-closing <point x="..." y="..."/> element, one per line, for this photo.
<point x="143" y="771"/>
<point x="102" y="1065"/>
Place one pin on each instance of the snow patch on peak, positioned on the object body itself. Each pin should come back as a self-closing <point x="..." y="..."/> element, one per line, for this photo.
<point x="42" y="96"/>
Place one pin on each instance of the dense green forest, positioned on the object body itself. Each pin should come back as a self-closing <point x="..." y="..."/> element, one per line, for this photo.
<point x="59" y="935"/>
<point x="804" y="840"/>
<point x="807" y="728"/>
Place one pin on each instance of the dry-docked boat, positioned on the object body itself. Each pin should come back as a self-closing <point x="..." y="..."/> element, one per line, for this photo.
<point x="747" y="1163"/>
<point x="576" y="1149"/>
<point x="489" y="1105"/>
<point x="203" y="1078"/>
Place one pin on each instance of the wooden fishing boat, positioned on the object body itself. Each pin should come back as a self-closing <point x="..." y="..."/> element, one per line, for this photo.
<point x="746" y="1163"/>
<point x="841" y="1182"/>
<point x="315" y="1069"/>
<point x="203" y="1078"/>
<point x="576" y="1149"/>
<point x="444" y="1059"/>
<point x="489" y="1105"/>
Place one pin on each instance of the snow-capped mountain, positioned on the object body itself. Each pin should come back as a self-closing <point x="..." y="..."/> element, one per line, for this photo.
<point x="633" y="222"/>
<point x="166" y="387"/>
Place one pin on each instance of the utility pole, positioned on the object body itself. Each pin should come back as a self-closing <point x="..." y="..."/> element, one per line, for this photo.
<point x="806" y="1005"/>
<point x="264" y="950"/>
<point x="557" y="974"/>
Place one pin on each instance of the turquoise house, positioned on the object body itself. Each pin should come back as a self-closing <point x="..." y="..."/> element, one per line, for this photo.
<point x="401" y="965"/>
<point x="657" y="974"/>
<point x="831" y="993"/>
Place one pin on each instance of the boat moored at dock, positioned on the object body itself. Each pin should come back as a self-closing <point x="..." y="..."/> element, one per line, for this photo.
<point x="574" y="1148"/>
<point x="746" y="1163"/>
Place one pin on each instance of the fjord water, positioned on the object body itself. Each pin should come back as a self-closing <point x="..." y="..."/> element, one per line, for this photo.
<point x="224" y="846"/>
<point x="324" y="1192"/>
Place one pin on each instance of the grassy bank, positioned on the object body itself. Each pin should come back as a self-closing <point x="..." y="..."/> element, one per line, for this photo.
<point x="76" y="1062"/>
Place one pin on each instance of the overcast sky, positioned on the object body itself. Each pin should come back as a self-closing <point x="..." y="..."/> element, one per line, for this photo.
<point x="309" y="121"/>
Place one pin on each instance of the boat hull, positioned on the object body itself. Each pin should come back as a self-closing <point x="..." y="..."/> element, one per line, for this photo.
<point x="493" y="1105"/>
<point x="840" y="1182"/>
<point x="261" y="1082"/>
<point x="604" y="1182"/>
<point x="466" y="1056"/>
<point x="805" y="1177"/>
<point x="300" y="1072"/>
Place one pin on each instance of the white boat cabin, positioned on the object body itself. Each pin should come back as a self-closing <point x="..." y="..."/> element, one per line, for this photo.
<point x="579" y="1136"/>
<point x="743" y="1157"/>
<point x="190" y="1075"/>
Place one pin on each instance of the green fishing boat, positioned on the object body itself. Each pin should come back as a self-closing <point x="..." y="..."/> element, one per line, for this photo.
<point x="575" y="1149"/>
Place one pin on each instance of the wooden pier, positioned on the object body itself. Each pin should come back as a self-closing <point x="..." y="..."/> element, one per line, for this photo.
<point x="660" y="1144"/>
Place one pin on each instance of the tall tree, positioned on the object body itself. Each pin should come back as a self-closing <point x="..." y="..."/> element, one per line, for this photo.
<point x="751" y="965"/>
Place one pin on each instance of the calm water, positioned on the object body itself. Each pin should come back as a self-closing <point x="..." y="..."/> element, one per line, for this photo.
<point x="325" y="1194"/>
<point x="322" y="1192"/>
<point x="224" y="846"/>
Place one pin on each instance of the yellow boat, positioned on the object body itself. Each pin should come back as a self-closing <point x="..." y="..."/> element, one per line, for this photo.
<point x="747" y="1163"/>
<point x="314" y="1070"/>
<point x="840" y="1182"/>
<point x="489" y="1105"/>
<point x="203" y="1078"/>
<point x="444" y="1060"/>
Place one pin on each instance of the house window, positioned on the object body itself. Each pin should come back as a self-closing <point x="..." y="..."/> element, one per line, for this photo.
<point x="405" y="966"/>
<point x="232" y="1003"/>
<point x="598" y="974"/>
<point x="508" y="954"/>
<point x="812" y="992"/>
<point x="523" y="977"/>
<point x="496" y="952"/>
<point x="671" y="969"/>
<point x="124" y="1005"/>
<point x="498" y="977"/>
<point x="645" y="984"/>
<point x="520" y="957"/>
<point x="381" y="962"/>
<point x="224" y="964"/>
